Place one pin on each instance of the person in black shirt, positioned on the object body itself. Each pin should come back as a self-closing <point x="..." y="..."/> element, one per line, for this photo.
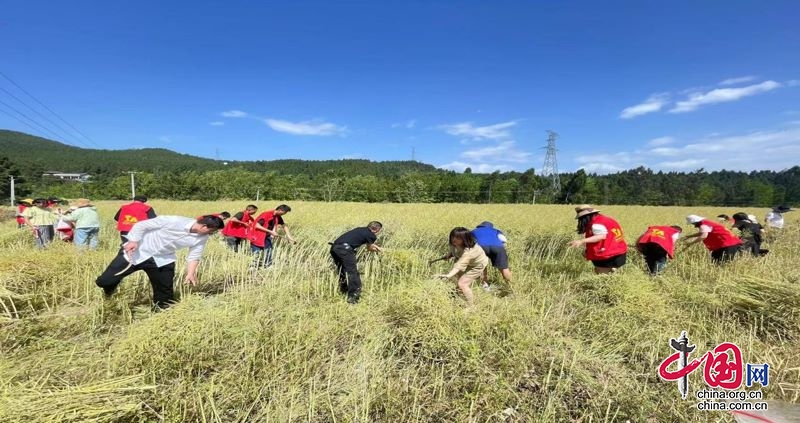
<point x="343" y="253"/>
<point x="751" y="233"/>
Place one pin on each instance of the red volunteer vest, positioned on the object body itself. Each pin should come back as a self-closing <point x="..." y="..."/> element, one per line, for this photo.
<point x="238" y="230"/>
<point x="131" y="213"/>
<point x="719" y="237"/>
<point x="257" y="237"/>
<point x="661" y="235"/>
<point x="613" y="245"/>
<point x="21" y="208"/>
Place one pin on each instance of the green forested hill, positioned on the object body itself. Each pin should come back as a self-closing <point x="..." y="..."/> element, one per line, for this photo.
<point x="29" y="152"/>
<point x="34" y="155"/>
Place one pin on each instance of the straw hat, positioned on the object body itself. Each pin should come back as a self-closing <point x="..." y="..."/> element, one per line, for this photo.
<point x="27" y="200"/>
<point x="82" y="202"/>
<point x="585" y="209"/>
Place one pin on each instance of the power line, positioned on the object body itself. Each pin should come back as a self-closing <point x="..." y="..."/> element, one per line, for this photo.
<point x="57" y="137"/>
<point x="50" y="110"/>
<point x="42" y="116"/>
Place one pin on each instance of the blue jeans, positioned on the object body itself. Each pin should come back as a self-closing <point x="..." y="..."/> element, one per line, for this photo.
<point x="43" y="235"/>
<point x="263" y="256"/>
<point x="86" y="236"/>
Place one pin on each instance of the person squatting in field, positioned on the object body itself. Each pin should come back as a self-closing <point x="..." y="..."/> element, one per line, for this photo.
<point x="470" y="263"/>
<point x="263" y="229"/>
<point x="235" y="230"/>
<point x="151" y="247"/>
<point x="657" y="244"/>
<point x="343" y="252"/>
<point x="717" y="238"/>
<point x="603" y="238"/>
<point x="41" y="220"/>
<point x="133" y="212"/>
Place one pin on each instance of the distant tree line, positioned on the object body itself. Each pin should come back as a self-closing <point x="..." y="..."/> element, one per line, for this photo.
<point x="349" y="182"/>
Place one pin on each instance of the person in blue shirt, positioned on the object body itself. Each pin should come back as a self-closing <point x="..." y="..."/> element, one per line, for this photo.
<point x="493" y="243"/>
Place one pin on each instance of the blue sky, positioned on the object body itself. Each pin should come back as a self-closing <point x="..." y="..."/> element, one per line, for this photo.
<point x="669" y="85"/>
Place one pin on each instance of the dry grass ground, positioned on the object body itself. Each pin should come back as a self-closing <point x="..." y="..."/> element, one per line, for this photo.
<point x="561" y="344"/>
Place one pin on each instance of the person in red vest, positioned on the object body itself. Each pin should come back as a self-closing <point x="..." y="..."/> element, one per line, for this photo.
<point x="717" y="238"/>
<point x="131" y="213"/>
<point x="263" y="229"/>
<point x="656" y="244"/>
<point x="604" y="241"/>
<point x="21" y="206"/>
<point x="235" y="230"/>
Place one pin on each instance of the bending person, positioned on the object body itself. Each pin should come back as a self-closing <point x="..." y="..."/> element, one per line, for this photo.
<point x="151" y="247"/>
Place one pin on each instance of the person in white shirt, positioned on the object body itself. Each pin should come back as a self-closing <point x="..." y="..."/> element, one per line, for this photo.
<point x="774" y="221"/>
<point x="151" y="247"/>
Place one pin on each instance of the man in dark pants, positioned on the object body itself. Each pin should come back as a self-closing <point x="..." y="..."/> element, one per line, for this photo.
<point x="151" y="247"/>
<point x="343" y="253"/>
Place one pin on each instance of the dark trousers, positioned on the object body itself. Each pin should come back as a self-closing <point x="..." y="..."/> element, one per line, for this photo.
<point x="654" y="256"/>
<point x="234" y="243"/>
<point x="161" y="278"/>
<point x="752" y="246"/>
<point x="262" y="255"/>
<point x="344" y="257"/>
<point x="123" y="236"/>
<point x="724" y="254"/>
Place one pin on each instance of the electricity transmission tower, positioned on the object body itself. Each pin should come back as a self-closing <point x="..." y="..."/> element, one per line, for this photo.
<point x="550" y="168"/>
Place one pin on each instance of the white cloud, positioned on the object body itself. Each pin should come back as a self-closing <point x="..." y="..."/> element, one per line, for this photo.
<point x="234" y="114"/>
<point x="216" y="123"/>
<point x="506" y="151"/>
<point x="409" y="124"/>
<point x="738" y="80"/>
<point x="490" y="132"/>
<point x="653" y="104"/>
<point x="309" y="127"/>
<point x="683" y="164"/>
<point x="657" y="142"/>
<point x="793" y="82"/>
<point x="722" y="95"/>
<point x="606" y="162"/>
<point x="459" y="166"/>
<point x="761" y="150"/>
<point x="665" y="151"/>
<point x="601" y="168"/>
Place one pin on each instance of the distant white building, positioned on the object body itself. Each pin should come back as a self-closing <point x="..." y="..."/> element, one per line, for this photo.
<point x="77" y="177"/>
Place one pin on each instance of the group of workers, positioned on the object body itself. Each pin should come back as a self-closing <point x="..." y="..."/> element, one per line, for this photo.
<point x="607" y="250"/>
<point x="150" y="242"/>
<point x="79" y="224"/>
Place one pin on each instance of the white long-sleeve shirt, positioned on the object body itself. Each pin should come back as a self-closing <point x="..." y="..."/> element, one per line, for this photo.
<point x="162" y="236"/>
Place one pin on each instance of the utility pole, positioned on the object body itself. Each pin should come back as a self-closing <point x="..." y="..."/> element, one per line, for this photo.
<point x="258" y="194"/>
<point x="413" y="154"/>
<point x="133" y="186"/>
<point x="12" y="190"/>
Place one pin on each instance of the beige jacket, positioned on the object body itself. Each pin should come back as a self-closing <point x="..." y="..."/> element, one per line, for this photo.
<point x="469" y="259"/>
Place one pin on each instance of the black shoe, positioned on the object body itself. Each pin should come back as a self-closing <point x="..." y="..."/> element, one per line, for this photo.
<point x="352" y="300"/>
<point x="108" y="292"/>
